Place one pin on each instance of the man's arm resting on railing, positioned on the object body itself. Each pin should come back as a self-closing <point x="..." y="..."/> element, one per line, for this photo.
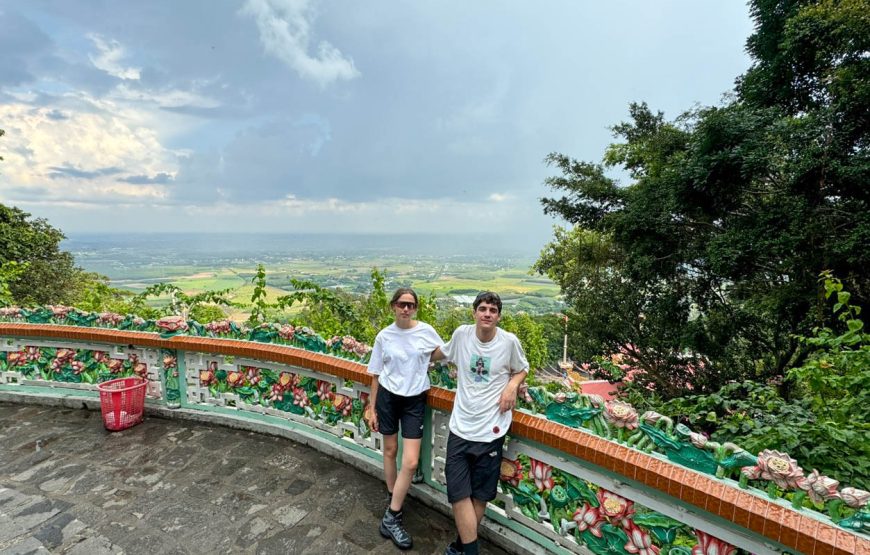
<point x="509" y="396"/>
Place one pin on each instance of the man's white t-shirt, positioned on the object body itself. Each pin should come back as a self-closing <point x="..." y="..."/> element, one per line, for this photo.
<point x="400" y="358"/>
<point x="483" y="371"/>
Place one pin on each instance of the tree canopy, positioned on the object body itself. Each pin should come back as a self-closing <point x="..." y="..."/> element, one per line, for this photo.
<point x="705" y="265"/>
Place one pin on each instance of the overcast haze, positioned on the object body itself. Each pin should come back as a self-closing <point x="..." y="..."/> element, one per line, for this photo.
<point x="343" y="116"/>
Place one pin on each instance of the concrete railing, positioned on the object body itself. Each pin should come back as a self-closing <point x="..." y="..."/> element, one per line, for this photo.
<point x="563" y="489"/>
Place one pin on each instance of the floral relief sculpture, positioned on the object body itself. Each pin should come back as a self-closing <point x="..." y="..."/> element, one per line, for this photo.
<point x="820" y="488"/>
<point x="621" y="415"/>
<point x="511" y="472"/>
<point x="778" y="468"/>
<point x="542" y="474"/>
<point x="709" y="545"/>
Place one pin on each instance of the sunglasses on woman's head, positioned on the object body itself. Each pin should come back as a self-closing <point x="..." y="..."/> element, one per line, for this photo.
<point x="406" y="304"/>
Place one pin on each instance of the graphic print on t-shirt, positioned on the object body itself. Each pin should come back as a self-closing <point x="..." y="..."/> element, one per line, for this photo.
<point x="480" y="368"/>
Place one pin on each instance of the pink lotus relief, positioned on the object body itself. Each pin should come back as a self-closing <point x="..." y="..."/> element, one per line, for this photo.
<point x="542" y="474"/>
<point x="207" y="377"/>
<point x="59" y="311"/>
<point x="10" y="312"/>
<point x="522" y="392"/>
<point x="615" y="508"/>
<point x="277" y="392"/>
<point x="172" y="323"/>
<point x="16" y="359"/>
<point x="300" y="398"/>
<point x="252" y="375"/>
<point x="219" y="326"/>
<point x="620" y="415"/>
<point x="589" y="518"/>
<point x="116" y="366"/>
<point x="778" y="467"/>
<point x="324" y="390"/>
<point x="101" y="357"/>
<point x="77" y="366"/>
<point x="638" y="541"/>
<point x="820" y="488"/>
<point x="110" y="318"/>
<point x="286" y="332"/>
<point x="140" y="369"/>
<point x="511" y="472"/>
<point x="235" y="379"/>
<point x="288" y="381"/>
<point x="169" y="361"/>
<point x="64" y="355"/>
<point x="854" y="497"/>
<point x="33" y="353"/>
<point x="342" y="404"/>
<point x="698" y="440"/>
<point x="709" y="545"/>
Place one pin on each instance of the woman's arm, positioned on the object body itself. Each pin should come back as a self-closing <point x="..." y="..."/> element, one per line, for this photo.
<point x="373" y="396"/>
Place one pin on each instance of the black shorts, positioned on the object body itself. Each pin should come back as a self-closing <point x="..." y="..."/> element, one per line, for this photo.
<point x="393" y="409"/>
<point x="472" y="468"/>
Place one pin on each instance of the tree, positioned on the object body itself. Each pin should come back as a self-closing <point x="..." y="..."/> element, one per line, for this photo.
<point x="50" y="275"/>
<point x="707" y="260"/>
<point x="531" y="336"/>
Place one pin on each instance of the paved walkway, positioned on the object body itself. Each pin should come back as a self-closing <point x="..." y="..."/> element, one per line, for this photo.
<point x="68" y="486"/>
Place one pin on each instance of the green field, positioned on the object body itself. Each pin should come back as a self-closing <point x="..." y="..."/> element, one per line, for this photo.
<point x="448" y="281"/>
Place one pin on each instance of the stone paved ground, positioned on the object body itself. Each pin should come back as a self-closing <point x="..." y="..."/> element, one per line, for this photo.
<point x="166" y="486"/>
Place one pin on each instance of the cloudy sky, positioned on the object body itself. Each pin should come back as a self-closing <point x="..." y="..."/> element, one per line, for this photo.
<point x="360" y="116"/>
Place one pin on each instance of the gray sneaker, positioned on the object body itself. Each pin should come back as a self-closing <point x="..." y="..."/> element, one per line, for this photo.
<point x="392" y="528"/>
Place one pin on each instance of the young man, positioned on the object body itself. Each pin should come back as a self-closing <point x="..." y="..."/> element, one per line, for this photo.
<point x="490" y="366"/>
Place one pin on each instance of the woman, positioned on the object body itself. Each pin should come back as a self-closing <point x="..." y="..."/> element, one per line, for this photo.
<point x="399" y="364"/>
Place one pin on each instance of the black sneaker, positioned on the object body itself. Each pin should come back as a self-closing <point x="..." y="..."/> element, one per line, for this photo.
<point x="451" y="549"/>
<point x="392" y="528"/>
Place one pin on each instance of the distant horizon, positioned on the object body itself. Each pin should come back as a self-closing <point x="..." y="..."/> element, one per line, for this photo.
<point x="155" y="247"/>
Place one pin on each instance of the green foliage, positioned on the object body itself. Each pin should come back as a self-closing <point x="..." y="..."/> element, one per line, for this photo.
<point x="258" y="297"/>
<point x="531" y="336"/>
<point x="98" y="296"/>
<point x="824" y="424"/>
<point x="206" y="313"/>
<point x="49" y="275"/>
<point x="9" y="271"/>
<point x="448" y="319"/>
<point x="179" y="302"/>
<point x="836" y="375"/>
<point x="711" y="251"/>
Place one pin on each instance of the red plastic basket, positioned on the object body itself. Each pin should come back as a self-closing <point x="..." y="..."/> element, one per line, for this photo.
<point x="122" y="402"/>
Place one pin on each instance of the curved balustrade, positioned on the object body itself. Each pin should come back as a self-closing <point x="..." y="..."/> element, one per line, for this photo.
<point x="563" y="489"/>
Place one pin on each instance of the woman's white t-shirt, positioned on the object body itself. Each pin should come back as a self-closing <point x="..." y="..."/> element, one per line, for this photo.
<point x="483" y="371"/>
<point x="400" y="358"/>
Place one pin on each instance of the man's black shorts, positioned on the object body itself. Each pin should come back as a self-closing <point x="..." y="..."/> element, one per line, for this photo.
<point x="393" y="409"/>
<point x="472" y="468"/>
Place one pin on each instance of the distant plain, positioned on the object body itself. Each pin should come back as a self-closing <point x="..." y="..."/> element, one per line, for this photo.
<point x="447" y="266"/>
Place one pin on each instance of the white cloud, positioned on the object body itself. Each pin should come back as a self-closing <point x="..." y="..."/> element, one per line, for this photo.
<point x="169" y="98"/>
<point x="500" y="197"/>
<point x="285" y="33"/>
<point x="109" y="58"/>
<point x="81" y="156"/>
